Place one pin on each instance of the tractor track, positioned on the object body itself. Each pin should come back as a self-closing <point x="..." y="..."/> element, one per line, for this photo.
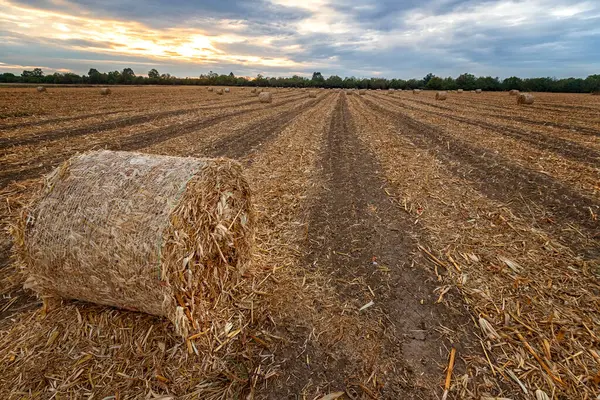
<point x="58" y="134"/>
<point x="31" y="169"/>
<point x="499" y="179"/>
<point x="572" y="128"/>
<point x="241" y="143"/>
<point x="350" y="222"/>
<point x="565" y="148"/>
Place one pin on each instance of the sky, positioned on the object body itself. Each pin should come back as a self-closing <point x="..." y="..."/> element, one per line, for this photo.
<point x="362" y="38"/>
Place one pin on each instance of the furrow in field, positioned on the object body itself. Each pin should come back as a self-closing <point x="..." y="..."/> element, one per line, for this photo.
<point x="65" y="133"/>
<point x="28" y="168"/>
<point x="580" y="175"/>
<point x="549" y="204"/>
<point x="565" y="148"/>
<point x="369" y="249"/>
<point x="519" y="114"/>
<point x="510" y="272"/>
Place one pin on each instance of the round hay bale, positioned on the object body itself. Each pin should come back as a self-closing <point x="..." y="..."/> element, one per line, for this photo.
<point x="349" y="92"/>
<point x="265" y="97"/>
<point x="40" y="89"/>
<point x="416" y="91"/>
<point x="219" y="91"/>
<point x="525" y="98"/>
<point x="513" y="92"/>
<point x="459" y="91"/>
<point x="312" y="94"/>
<point x="362" y="92"/>
<point x="157" y="234"/>
<point x="441" y="95"/>
<point x="253" y="90"/>
<point x="478" y="91"/>
<point x="105" y="91"/>
<point x="210" y="89"/>
<point x="389" y="92"/>
<point x="226" y="90"/>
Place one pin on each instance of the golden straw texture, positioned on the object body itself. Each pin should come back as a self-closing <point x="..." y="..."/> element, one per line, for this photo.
<point x="157" y="234"/>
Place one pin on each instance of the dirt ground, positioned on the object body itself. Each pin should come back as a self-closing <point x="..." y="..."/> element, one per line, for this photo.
<point x="393" y="230"/>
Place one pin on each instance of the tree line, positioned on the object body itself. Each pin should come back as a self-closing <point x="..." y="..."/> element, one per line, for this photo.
<point x="430" y="81"/>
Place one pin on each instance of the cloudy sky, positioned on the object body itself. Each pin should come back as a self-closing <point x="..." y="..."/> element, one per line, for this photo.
<point x="364" y="38"/>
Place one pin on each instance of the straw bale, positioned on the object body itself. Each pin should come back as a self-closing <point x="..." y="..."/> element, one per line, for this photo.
<point x="416" y="91"/>
<point x="210" y="89"/>
<point x="163" y="235"/>
<point x="253" y="90"/>
<point x="459" y="91"/>
<point x="40" y="89"/>
<point x="105" y="91"/>
<point x="441" y="96"/>
<point x="227" y="90"/>
<point x="219" y="91"/>
<point x="478" y="91"/>
<point x="312" y="94"/>
<point x="525" y="98"/>
<point x="514" y="92"/>
<point x="349" y="92"/>
<point x="265" y="97"/>
<point x="362" y="92"/>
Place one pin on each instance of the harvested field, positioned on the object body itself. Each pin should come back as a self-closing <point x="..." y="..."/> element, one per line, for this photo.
<point x="392" y="231"/>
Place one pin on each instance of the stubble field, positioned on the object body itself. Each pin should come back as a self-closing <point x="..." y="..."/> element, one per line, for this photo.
<point x="393" y="230"/>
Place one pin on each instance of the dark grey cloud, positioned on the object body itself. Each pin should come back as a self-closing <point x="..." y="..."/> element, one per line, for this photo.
<point x="351" y="37"/>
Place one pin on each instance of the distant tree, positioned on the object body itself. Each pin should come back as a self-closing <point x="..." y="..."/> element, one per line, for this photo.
<point x="127" y="76"/>
<point x="317" y="77"/>
<point x="592" y="83"/>
<point x="434" y="83"/>
<point x="8" y="77"/>
<point x="512" y="83"/>
<point x="153" y="74"/>
<point x="466" y="81"/>
<point x="427" y="78"/>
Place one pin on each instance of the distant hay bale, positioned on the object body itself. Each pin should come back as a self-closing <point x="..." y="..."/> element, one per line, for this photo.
<point x="349" y="92"/>
<point x="40" y="89"/>
<point x="459" y="91"/>
<point x="478" y="91"/>
<point x="312" y="94"/>
<point x="389" y="92"/>
<point x="513" y="92"/>
<point x="525" y="98"/>
<point x="441" y="95"/>
<point x="157" y="234"/>
<point x="253" y="90"/>
<point x="416" y="91"/>
<point x="226" y="90"/>
<point x="105" y="91"/>
<point x="265" y="97"/>
<point x="210" y="89"/>
<point x="362" y="92"/>
<point x="219" y="91"/>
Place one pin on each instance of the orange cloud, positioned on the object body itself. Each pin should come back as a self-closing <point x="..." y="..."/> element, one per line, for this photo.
<point x="133" y="38"/>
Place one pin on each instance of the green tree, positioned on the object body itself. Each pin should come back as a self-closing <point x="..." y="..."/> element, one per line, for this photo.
<point x="427" y="78"/>
<point x="466" y="82"/>
<point x="153" y="74"/>
<point x="434" y="83"/>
